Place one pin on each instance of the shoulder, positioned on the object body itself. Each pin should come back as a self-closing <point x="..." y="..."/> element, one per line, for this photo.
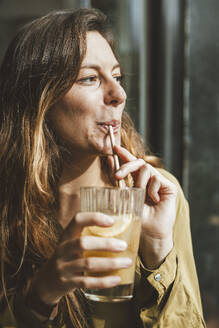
<point x="169" y="176"/>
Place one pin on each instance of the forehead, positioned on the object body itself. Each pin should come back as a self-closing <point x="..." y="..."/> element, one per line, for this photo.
<point x="98" y="50"/>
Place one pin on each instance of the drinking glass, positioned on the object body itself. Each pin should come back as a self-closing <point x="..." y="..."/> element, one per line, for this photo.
<point x="125" y="205"/>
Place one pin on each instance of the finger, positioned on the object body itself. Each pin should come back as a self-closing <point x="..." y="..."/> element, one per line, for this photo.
<point x="111" y="162"/>
<point x="154" y="186"/>
<point x="130" y="167"/>
<point x="95" y="283"/>
<point x="73" y="248"/>
<point x="83" y="219"/>
<point x="143" y="177"/>
<point x="124" y="154"/>
<point x="95" y="264"/>
<point x="142" y="173"/>
<point x="160" y="189"/>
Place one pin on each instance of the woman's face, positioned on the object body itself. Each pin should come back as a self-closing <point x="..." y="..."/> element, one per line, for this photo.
<point x="95" y="101"/>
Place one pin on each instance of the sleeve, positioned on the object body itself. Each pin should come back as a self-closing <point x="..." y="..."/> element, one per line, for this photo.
<point x="169" y="296"/>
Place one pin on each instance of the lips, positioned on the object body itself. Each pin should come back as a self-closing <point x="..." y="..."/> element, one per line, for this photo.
<point x="114" y="123"/>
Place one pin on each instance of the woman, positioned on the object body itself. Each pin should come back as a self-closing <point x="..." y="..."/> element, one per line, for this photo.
<point x="60" y="87"/>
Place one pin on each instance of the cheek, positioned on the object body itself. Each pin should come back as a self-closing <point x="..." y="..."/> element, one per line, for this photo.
<point x="68" y="113"/>
<point x="82" y="98"/>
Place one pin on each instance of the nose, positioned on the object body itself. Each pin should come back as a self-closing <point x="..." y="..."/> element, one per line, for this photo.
<point x="114" y="94"/>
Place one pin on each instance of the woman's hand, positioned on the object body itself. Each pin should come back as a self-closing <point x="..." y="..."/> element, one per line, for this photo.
<point x="159" y="210"/>
<point x="64" y="271"/>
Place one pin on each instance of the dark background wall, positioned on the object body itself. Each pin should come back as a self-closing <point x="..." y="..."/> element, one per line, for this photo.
<point x="203" y="146"/>
<point x="183" y="120"/>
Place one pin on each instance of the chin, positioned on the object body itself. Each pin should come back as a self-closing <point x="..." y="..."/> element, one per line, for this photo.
<point x="104" y="148"/>
<point x="107" y="149"/>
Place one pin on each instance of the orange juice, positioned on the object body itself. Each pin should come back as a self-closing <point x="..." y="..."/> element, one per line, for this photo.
<point x="125" y="205"/>
<point x="128" y="228"/>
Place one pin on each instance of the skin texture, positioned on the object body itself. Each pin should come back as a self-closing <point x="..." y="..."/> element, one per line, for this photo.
<point x="159" y="210"/>
<point x="97" y="96"/>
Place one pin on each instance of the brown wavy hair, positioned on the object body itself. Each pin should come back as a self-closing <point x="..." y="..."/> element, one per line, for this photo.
<point x="40" y="66"/>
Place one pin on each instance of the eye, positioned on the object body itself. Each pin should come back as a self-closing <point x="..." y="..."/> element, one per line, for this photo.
<point x="118" y="78"/>
<point x="89" y="80"/>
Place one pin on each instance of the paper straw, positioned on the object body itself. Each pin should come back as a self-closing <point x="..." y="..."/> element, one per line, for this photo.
<point x="115" y="156"/>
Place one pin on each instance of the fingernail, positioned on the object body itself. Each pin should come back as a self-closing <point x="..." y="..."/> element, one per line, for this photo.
<point x="109" y="220"/>
<point x="118" y="173"/>
<point x="121" y="245"/>
<point x="125" y="262"/>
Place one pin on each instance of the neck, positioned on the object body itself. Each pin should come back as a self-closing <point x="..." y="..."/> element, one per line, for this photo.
<point x="86" y="171"/>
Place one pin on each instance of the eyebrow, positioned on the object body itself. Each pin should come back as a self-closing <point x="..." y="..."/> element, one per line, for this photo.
<point x="97" y="67"/>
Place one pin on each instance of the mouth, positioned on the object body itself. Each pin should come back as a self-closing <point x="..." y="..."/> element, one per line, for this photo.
<point x="114" y="123"/>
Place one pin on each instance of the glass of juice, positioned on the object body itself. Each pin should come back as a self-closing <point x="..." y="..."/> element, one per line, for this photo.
<point x="125" y="205"/>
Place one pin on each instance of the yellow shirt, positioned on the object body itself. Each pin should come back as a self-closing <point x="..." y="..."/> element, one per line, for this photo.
<point x="166" y="297"/>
